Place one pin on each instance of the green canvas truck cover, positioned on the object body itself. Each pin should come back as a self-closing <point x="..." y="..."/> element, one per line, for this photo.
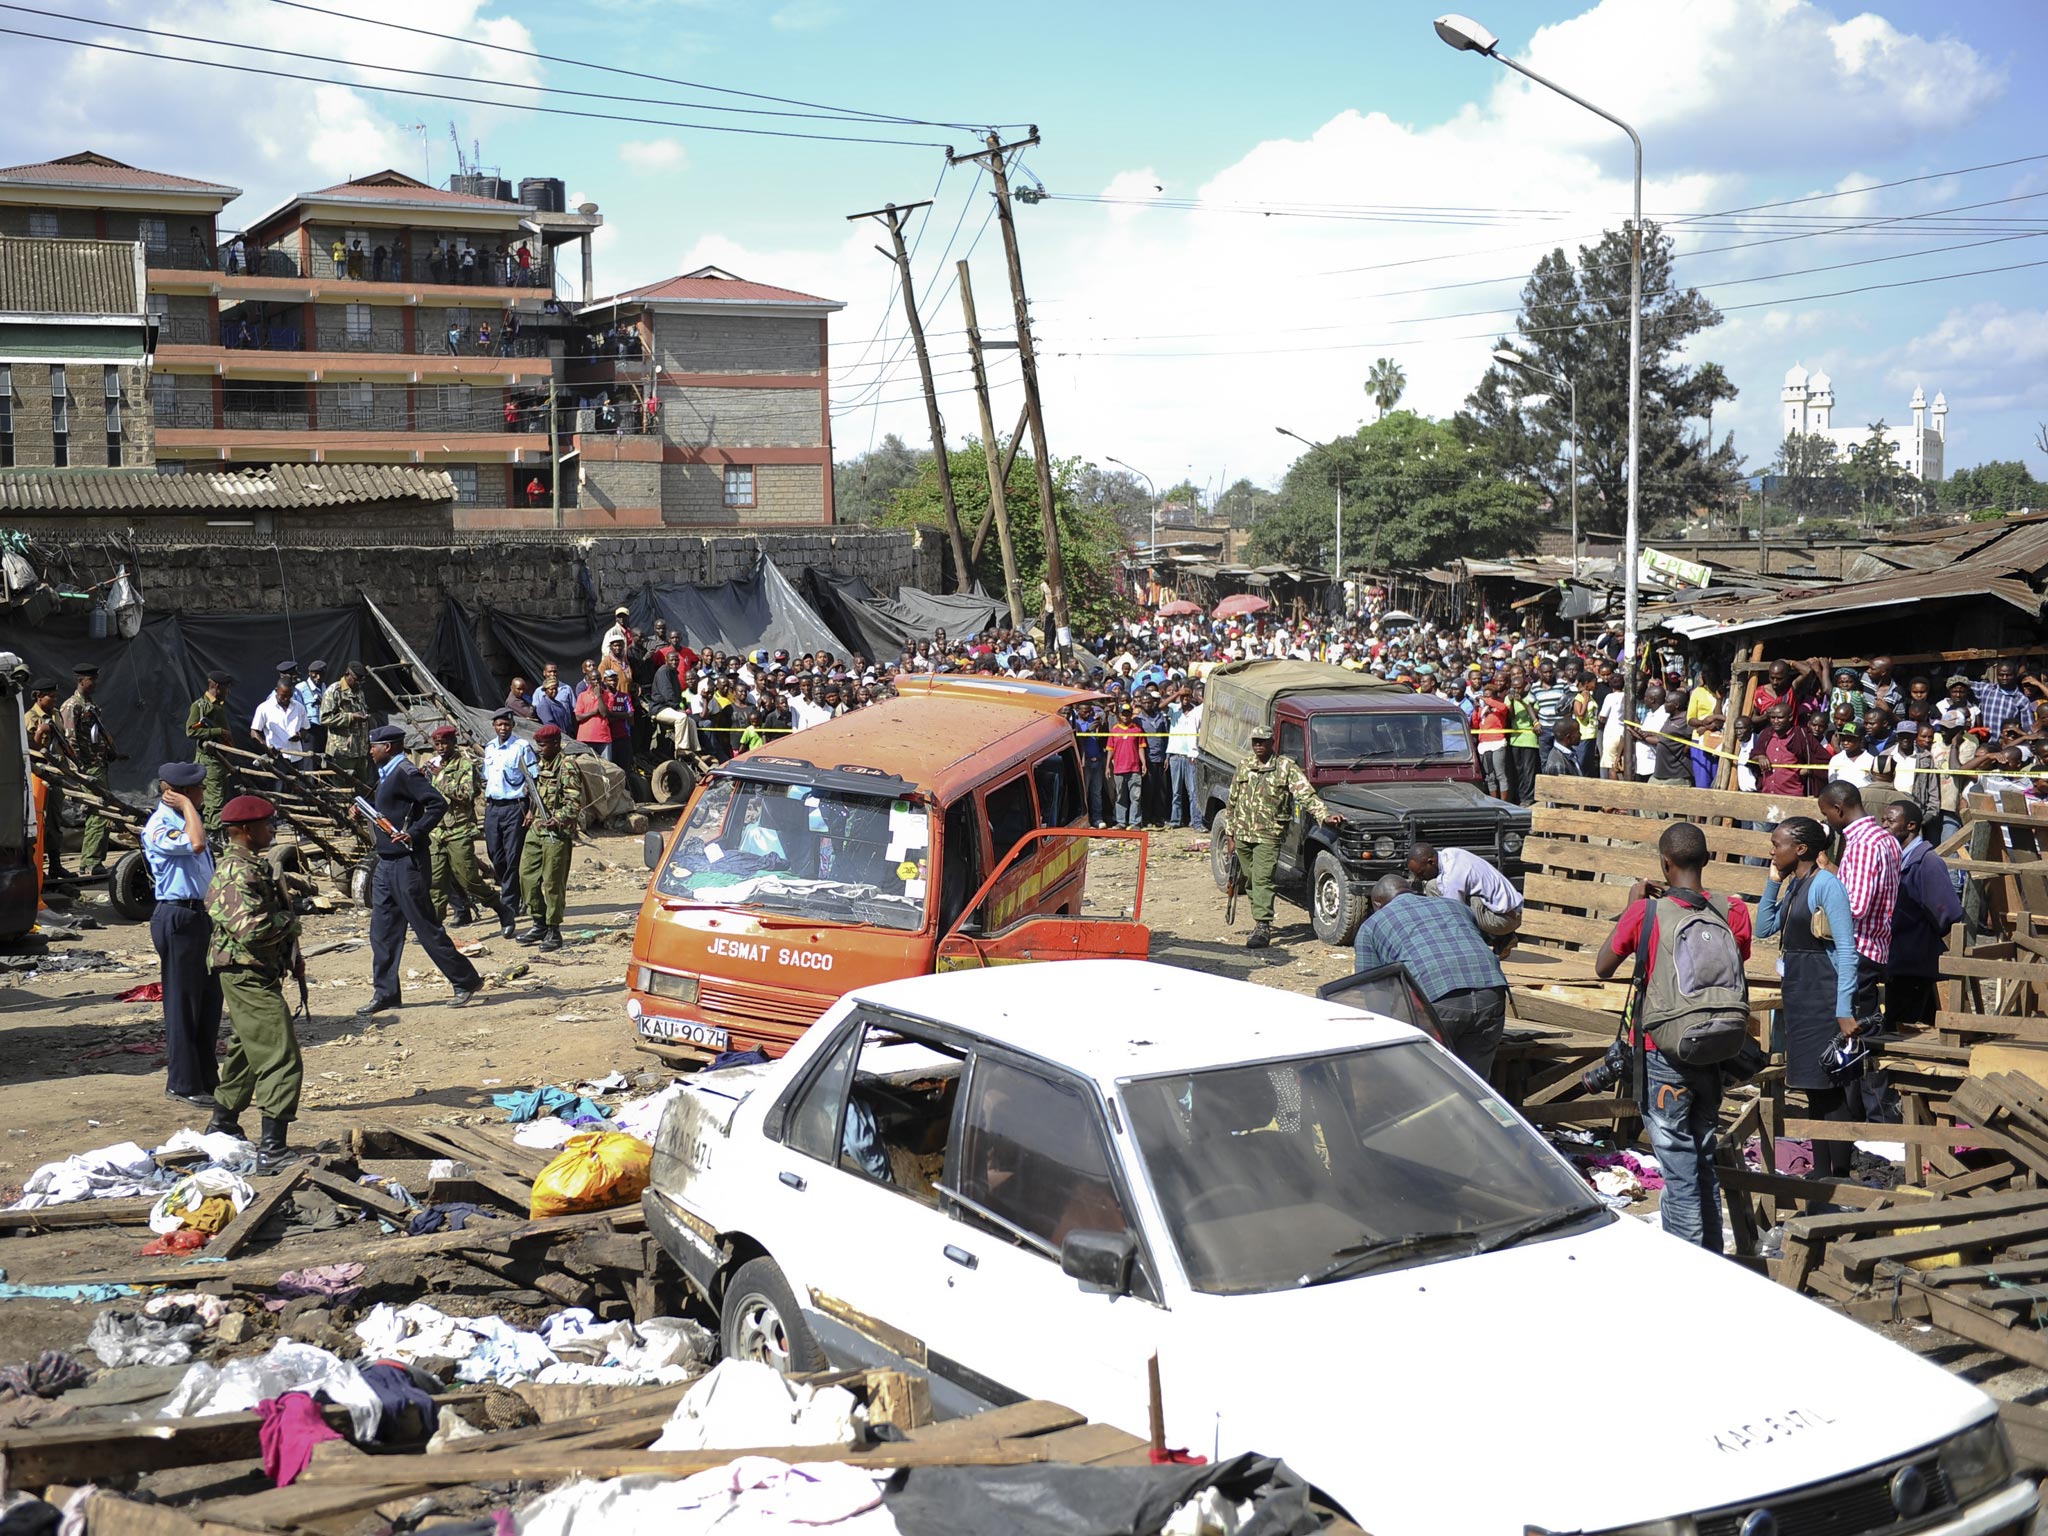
<point x="1241" y="694"/>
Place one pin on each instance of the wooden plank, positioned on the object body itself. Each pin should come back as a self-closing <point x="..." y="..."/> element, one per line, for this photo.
<point x="1671" y="801"/>
<point x="456" y="1467"/>
<point x="2021" y="1030"/>
<point x="366" y="1196"/>
<point x="1857" y="1256"/>
<point x="1630" y="863"/>
<point x="1593" y="898"/>
<point x="481" y="1145"/>
<point x="510" y="1189"/>
<point x="1781" y="1186"/>
<point x="1965" y="1322"/>
<point x="1086" y="1444"/>
<point x="1867" y="1130"/>
<point x="1580" y="1111"/>
<point x="1724" y="843"/>
<point x="80" y="1213"/>
<point x="1016" y="1420"/>
<point x="1920" y="1209"/>
<point x="91" y="1453"/>
<point x="235" y="1236"/>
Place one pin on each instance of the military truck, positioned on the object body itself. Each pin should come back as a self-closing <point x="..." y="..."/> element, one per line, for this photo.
<point x="1400" y="767"/>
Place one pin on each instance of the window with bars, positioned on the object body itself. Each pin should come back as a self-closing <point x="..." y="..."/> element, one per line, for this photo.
<point x="358" y="320"/>
<point x="42" y="225"/>
<point x="60" y="416"/>
<point x="6" y="416"/>
<point x="155" y="234"/>
<point x="739" y="485"/>
<point x="464" y="476"/>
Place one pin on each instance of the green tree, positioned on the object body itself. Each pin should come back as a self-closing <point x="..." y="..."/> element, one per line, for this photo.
<point x="1575" y="325"/>
<point x="1243" y="503"/>
<point x="1116" y="491"/>
<point x="1091" y="542"/>
<point x="863" y="486"/>
<point x="2003" y="485"/>
<point x="1385" y="384"/>
<point x="1809" y="476"/>
<point x="1415" y="494"/>
<point x="1872" y="472"/>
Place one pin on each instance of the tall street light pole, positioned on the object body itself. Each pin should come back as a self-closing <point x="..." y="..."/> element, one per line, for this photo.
<point x="1151" y="490"/>
<point x="1465" y="34"/>
<point x="1316" y="447"/>
<point x="1514" y="359"/>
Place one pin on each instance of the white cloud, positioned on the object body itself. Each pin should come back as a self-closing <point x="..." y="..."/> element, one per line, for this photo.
<point x="652" y="155"/>
<point x="804" y="16"/>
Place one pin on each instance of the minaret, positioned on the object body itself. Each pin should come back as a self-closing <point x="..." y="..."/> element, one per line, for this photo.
<point x="1823" y="403"/>
<point x="1795" y="402"/>
<point x="1919" y="411"/>
<point x="1940" y="415"/>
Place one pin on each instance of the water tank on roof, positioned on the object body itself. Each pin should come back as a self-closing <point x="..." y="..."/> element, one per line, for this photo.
<point x="544" y="194"/>
<point x="474" y="186"/>
<point x="498" y="187"/>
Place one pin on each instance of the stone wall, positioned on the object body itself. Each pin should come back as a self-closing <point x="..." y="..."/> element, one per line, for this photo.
<point x="735" y="344"/>
<point x="523" y="573"/>
<point x="33" y="415"/>
<point x="783" y="493"/>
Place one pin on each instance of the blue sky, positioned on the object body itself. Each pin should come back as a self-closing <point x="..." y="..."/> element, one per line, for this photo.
<point x="1178" y="339"/>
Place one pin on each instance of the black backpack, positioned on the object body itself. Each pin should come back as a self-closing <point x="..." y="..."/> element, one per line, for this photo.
<point x="1693" y="1002"/>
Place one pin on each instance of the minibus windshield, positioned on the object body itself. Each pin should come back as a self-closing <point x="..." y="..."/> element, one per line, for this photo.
<point x="794" y="848"/>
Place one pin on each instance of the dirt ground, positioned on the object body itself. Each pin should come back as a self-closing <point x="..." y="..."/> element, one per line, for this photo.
<point x="80" y="1069"/>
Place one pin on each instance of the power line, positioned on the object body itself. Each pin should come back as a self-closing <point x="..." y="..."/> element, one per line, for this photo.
<point x="1353" y="346"/>
<point x="474" y="101"/>
<point x="613" y="69"/>
<point x="431" y="74"/>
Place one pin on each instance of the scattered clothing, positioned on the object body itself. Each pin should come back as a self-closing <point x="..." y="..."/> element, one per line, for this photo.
<point x="742" y="1403"/>
<point x="334" y="1281"/>
<point x="549" y="1133"/>
<point x="290" y="1366"/>
<point x="642" y="1117"/>
<point x="535" y="1102"/>
<point x="119" y="1172"/>
<point x="187" y="1199"/>
<point x="659" y="1351"/>
<point x="186" y="1307"/>
<point x="292" y="1426"/>
<point x="124" y="1338"/>
<point x="455" y="1216"/>
<point x="171" y="1244"/>
<point x="51" y="1373"/>
<point x="410" y="1413"/>
<point x="86" y="1290"/>
<point x="755" y="1493"/>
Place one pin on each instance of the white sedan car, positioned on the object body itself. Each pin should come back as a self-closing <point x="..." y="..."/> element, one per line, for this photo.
<point x="1347" y="1252"/>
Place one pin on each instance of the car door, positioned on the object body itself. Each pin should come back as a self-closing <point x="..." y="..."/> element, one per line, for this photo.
<point x="1030" y="1165"/>
<point x="848" y="1214"/>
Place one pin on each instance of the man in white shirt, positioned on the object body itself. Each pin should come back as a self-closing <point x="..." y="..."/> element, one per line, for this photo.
<point x="1469" y="880"/>
<point x="1180" y="758"/>
<point x="805" y="711"/>
<point x="1852" y="764"/>
<point x="280" y="723"/>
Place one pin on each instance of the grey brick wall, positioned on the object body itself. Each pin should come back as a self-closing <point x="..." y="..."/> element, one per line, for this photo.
<point x="742" y="418"/>
<point x="72" y="223"/>
<point x="735" y="344"/>
<point x="616" y="484"/>
<point x="783" y="493"/>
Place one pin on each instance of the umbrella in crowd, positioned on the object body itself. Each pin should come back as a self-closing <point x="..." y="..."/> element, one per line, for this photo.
<point x="1240" y="604"/>
<point x="1178" y="607"/>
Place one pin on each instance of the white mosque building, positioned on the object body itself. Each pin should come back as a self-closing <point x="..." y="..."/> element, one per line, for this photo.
<point x="1810" y="406"/>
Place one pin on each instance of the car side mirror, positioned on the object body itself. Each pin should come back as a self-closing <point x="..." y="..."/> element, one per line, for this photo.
<point x="1101" y="1261"/>
<point x="650" y="849"/>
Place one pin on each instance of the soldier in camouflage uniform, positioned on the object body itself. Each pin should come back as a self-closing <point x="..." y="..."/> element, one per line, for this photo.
<point x="347" y="720"/>
<point x="255" y="946"/>
<point x="1263" y="799"/>
<point x="206" y="723"/>
<point x="92" y="750"/>
<point x="457" y="881"/>
<point x="46" y="735"/>
<point x="551" y="836"/>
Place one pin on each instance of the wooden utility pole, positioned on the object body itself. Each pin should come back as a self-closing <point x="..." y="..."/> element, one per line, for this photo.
<point x="892" y="217"/>
<point x="1009" y="463"/>
<point x="998" y="512"/>
<point x="554" y="459"/>
<point x="995" y="158"/>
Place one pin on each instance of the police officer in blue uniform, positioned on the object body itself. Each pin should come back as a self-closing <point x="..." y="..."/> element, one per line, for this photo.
<point x="399" y="887"/>
<point x="181" y="869"/>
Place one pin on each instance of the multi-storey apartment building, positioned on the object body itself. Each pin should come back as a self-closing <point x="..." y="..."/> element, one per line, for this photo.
<point x="74" y="350"/>
<point x="385" y="321"/>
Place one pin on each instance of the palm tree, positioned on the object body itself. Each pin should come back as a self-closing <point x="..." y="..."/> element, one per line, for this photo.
<point x="1385" y="383"/>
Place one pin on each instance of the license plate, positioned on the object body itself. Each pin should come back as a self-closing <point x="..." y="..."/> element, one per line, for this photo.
<point x="684" y="1032"/>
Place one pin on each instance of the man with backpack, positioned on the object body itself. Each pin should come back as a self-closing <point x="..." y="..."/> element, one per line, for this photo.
<point x="1688" y="1017"/>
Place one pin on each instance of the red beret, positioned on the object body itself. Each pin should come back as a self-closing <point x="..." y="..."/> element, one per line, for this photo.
<point x="445" y="733"/>
<point x="246" y="808"/>
<point x="548" y="733"/>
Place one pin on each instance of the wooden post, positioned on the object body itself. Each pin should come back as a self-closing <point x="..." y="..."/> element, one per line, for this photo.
<point x="998" y="509"/>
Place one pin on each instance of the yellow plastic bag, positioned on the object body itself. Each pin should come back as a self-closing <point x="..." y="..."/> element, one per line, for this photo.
<point x="594" y="1172"/>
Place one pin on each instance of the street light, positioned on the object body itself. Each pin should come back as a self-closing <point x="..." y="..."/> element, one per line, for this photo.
<point x="1154" y="492"/>
<point x="1316" y="447"/>
<point x="1466" y="35"/>
<point x="1514" y="359"/>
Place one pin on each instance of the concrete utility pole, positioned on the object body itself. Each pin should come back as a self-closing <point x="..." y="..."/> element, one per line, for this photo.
<point x="995" y="158"/>
<point x="998" y="512"/>
<point x="892" y="217"/>
<point x="554" y="459"/>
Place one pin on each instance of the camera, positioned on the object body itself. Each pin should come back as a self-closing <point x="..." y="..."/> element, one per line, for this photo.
<point x="1610" y="1069"/>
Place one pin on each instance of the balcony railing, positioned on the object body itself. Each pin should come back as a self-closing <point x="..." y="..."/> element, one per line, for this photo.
<point x="487" y="269"/>
<point x="184" y="331"/>
<point x="196" y="414"/>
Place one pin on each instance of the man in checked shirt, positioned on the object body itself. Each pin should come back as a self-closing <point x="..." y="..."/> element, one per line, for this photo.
<point x="1869" y="867"/>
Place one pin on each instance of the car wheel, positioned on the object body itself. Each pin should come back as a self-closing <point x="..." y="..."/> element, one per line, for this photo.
<point x="359" y="880"/>
<point x="672" y="782"/>
<point x="759" y="1320"/>
<point x="1220" y="856"/>
<point x="1333" y="910"/>
<point x="132" y="890"/>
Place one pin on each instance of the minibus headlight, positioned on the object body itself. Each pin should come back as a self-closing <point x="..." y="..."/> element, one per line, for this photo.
<point x="666" y="984"/>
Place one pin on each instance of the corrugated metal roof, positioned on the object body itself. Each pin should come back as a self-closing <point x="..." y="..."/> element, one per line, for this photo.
<point x="87" y="169"/>
<point x="276" y="488"/>
<point x="70" y="277"/>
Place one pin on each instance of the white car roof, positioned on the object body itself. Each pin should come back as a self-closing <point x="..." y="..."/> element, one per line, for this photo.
<point x="1110" y="1019"/>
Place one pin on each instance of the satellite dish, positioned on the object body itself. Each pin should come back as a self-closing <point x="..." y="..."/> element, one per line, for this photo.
<point x="586" y="208"/>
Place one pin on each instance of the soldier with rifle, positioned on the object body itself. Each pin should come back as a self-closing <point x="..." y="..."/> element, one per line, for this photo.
<point x="346" y="715"/>
<point x="206" y="724"/>
<point x="1263" y="799"/>
<point x="255" y="942"/>
<point x="456" y="881"/>
<point x="555" y="810"/>
<point x="91" y="751"/>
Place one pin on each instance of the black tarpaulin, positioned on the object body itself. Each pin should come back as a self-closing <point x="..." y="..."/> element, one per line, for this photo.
<point x="1057" y="1499"/>
<point x="456" y="660"/>
<point x="567" y="640"/>
<point x="147" y="684"/>
<point x="879" y="627"/>
<point x="760" y="611"/>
